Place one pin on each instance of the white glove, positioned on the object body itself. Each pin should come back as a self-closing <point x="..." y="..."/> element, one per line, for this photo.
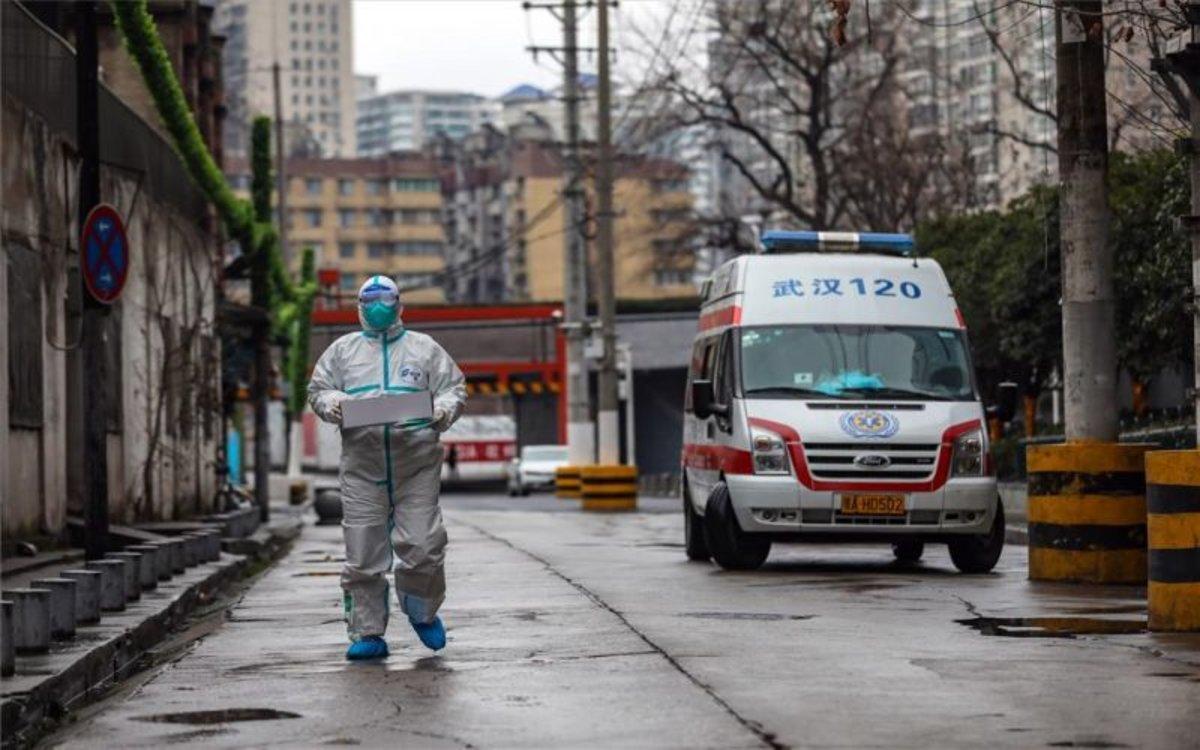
<point x="441" y="420"/>
<point x="335" y="412"/>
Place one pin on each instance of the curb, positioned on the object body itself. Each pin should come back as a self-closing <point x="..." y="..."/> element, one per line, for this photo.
<point x="28" y="707"/>
<point x="1016" y="534"/>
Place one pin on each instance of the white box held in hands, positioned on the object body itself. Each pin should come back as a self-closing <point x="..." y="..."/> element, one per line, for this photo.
<point x="389" y="408"/>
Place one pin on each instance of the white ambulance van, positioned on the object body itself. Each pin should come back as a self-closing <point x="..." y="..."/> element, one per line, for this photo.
<point x="831" y="397"/>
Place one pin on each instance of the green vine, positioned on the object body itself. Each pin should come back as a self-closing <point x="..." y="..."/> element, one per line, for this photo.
<point x="248" y="222"/>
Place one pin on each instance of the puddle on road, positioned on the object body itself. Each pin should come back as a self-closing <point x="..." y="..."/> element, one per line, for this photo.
<point x="761" y="616"/>
<point x="309" y="573"/>
<point x="1052" y="627"/>
<point x="220" y="716"/>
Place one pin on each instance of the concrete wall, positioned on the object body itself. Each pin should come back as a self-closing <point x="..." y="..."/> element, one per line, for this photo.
<point x="169" y="295"/>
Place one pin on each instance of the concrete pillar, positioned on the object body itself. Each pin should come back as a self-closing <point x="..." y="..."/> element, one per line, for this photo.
<point x="87" y="594"/>
<point x="8" y="653"/>
<point x="112" y="583"/>
<point x="191" y="550"/>
<point x="212" y="545"/>
<point x="31" y="620"/>
<point x="133" y="573"/>
<point x="162" y="559"/>
<point x="149" y="567"/>
<point x="62" y="605"/>
<point x="177" y="563"/>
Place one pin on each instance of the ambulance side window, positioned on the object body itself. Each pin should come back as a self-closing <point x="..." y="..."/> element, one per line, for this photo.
<point x="700" y="367"/>
<point x="723" y="376"/>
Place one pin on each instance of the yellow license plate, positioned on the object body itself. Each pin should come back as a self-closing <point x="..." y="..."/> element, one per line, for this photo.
<point x="873" y="505"/>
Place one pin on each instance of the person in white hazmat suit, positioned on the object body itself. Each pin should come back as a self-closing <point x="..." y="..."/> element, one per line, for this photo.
<point x="390" y="475"/>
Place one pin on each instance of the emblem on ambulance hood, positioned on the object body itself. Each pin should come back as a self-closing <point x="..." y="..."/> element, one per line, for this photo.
<point x="869" y="424"/>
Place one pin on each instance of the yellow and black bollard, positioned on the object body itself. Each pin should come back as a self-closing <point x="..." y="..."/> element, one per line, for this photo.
<point x="1087" y="512"/>
<point x="609" y="488"/>
<point x="1173" y="533"/>
<point x="566" y="482"/>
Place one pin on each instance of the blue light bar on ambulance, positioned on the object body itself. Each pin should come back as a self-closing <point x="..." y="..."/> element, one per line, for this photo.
<point x="780" y="241"/>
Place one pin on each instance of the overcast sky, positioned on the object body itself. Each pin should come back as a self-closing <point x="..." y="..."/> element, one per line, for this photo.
<point x="477" y="45"/>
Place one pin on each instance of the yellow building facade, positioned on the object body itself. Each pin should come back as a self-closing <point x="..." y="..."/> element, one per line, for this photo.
<point x="365" y="217"/>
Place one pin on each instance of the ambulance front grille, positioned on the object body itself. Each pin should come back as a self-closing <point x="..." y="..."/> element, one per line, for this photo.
<point x="905" y="461"/>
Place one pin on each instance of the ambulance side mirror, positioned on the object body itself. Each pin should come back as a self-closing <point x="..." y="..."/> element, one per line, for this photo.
<point x="702" y="400"/>
<point x="1005" y="407"/>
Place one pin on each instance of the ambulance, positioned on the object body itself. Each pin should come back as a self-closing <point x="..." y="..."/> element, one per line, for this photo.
<point x="831" y="398"/>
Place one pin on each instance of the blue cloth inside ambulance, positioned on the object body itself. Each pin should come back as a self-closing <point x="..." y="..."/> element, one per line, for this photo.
<point x="844" y="405"/>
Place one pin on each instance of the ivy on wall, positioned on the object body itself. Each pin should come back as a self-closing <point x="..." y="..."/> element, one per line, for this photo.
<point x="248" y="222"/>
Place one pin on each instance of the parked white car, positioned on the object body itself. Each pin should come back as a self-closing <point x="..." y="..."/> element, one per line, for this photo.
<point x="535" y="467"/>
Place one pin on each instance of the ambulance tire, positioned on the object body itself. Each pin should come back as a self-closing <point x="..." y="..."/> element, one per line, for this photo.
<point x="731" y="548"/>
<point x="693" y="530"/>
<point x="980" y="553"/>
<point x="908" y="552"/>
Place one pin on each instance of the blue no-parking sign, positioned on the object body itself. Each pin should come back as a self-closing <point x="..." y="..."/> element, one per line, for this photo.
<point x="104" y="257"/>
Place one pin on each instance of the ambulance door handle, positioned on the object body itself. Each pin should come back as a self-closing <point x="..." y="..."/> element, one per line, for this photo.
<point x="709" y="427"/>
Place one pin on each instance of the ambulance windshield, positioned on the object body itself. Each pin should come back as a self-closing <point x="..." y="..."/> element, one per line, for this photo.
<point x="856" y="362"/>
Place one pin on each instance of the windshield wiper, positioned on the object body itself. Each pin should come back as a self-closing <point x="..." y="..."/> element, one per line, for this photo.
<point x="788" y="390"/>
<point x="899" y="393"/>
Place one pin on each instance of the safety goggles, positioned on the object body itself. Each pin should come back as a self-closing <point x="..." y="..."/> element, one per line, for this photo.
<point x="382" y="294"/>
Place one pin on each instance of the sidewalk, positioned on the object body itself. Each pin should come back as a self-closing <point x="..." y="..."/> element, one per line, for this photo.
<point x="78" y="669"/>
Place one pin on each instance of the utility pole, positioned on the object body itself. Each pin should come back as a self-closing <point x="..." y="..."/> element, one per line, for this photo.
<point x="581" y="450"/>
<point x="606" y="414"/>
<point x="1186" y="64"/>
<point x="1089" y="337"/>
<point x="280" y="167"/>
<point x="95" y="314"/>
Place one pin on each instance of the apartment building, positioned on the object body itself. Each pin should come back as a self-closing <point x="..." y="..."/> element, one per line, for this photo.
<point x="505" y="222"/>
<point x="311" y="41"/>
<point x="408" y="119"/>
<point x="986" y="72"/>
<point x="366" y="217"/>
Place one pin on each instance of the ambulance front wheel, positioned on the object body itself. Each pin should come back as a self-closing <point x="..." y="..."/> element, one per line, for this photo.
<point x="732" y="548"/>
<point x="980" y="553"/>
<point x="694" y="543"/>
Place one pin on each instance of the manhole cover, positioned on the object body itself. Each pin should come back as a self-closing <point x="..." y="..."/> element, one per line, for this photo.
<point x="220" y="716"/>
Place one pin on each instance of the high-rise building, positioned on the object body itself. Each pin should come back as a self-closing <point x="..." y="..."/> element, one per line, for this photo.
<point x="407" y="120"/>
<point x="364" y="217"/>
<point x="312" y="43"/>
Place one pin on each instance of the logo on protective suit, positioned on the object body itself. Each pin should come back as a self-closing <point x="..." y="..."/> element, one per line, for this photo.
<point x="869" y="424"/>
<point x="412" y="377"/>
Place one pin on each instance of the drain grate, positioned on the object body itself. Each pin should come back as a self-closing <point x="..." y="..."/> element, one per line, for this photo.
<point x="220" y="716"/>
<point x="1052" y="627"/>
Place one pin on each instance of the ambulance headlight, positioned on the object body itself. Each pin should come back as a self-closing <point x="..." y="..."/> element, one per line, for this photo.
<point x="968" y="458"/>
<point x="769" y="452"/>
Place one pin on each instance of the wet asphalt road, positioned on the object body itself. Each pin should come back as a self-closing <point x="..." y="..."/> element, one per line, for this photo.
<point x="574" y="630"/>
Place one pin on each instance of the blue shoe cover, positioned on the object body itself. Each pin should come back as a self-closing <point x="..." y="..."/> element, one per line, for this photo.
<point x="432" y="634"/>
<point x="371" y="647"/>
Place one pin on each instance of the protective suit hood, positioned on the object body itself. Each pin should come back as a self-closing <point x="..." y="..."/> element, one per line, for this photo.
<point x="379" y="307"/>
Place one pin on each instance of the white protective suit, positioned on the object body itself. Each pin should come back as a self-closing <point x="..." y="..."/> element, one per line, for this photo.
<point x="390" y="475"/>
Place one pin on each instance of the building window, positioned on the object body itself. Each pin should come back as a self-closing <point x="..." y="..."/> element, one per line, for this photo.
<point x="313" y="217"/>
<point x="345" y="187"/>
<point x="346" y="217"/>
<point x="417" y="248"/>
<point x="312" y="186"/>
<point x="377" y="249"/>
<point x="671" y="276"/>
<point x="375" y="187"/>
<point x="25" y="375"/>
<point x="414" y="185"/>
<point x="374" y="217"/>
<point x="349" y="282"/>
<point x="345" y="249"/>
